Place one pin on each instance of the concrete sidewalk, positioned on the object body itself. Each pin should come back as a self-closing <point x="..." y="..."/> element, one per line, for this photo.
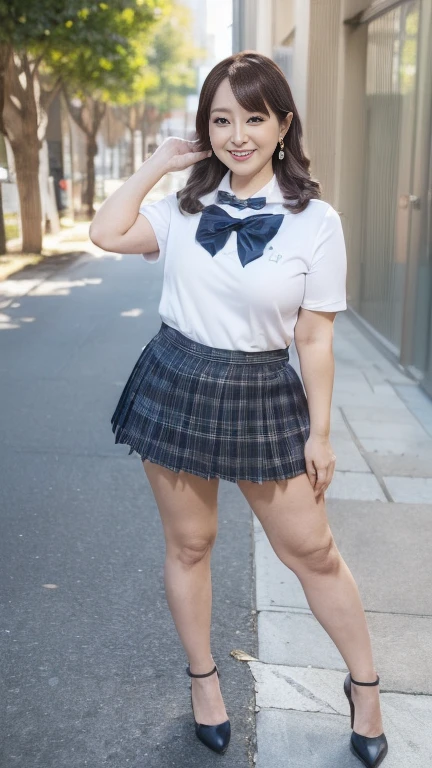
<point x="380" y="510"/>
<point x="57" y="249"/>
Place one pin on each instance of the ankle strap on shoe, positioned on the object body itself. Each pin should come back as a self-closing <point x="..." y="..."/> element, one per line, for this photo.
<point x="358" y="683"/>
<point x="206" y="674"/>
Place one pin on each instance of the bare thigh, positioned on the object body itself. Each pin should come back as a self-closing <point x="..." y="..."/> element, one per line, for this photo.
<point x="294" y="521"/>
<point x="187" y="505"/>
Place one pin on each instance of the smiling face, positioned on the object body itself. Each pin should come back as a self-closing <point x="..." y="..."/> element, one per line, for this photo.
<point x="234" y="129"/>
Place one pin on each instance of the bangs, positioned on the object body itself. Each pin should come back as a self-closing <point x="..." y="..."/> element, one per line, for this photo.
<point x="248" y="91"/>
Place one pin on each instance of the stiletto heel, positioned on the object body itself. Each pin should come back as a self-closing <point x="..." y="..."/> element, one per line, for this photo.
<point x="216" y="737"/>
<point x="370" y="750"/>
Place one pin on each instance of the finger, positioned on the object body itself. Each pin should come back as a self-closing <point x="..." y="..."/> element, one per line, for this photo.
<point x="193" y="147"/>
<point x="331" y="468"/>
<point x="201" y="155"/>
<point x="320" y="496"/>
<point x="321" y="479"/>
<point x="190" y="158"/>
<point x="310" y="471"/>
<point x="330" y="472"/>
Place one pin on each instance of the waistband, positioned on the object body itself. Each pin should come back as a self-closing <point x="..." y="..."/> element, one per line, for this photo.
<point x="216" y="353"/>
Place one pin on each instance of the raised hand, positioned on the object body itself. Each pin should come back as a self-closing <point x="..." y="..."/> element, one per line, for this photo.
<point x="177" y="154"/>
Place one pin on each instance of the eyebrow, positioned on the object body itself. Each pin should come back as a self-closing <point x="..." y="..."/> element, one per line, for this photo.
<point x="223" y="109"/>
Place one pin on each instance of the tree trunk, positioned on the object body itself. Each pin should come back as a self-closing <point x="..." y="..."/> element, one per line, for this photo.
<point x="5" y="54"/>
<point x="26" y="154"/>
<point x="2" y="226"/>
<point x="20" y="115"/>
<point x="88" y="117"/>
<point x="92" y="150"/>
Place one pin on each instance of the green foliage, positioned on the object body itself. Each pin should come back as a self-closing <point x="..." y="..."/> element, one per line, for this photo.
<point x="122" y="52"/>
<point x="172" y="55"/>
<point x="27" y="23"/>
<point x="94" y="47"/>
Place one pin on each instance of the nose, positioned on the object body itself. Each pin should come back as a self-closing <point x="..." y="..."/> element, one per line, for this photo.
<point x="239" y="136"/>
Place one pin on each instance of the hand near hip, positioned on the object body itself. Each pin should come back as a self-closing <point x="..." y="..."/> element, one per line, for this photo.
<point x="320" y="463"/>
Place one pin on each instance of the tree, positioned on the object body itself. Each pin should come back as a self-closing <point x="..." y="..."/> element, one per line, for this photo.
<point x="165" y="71"/>
<point x="89" y="89"/>
<point x="4" y="57"/>
<point x="173" y="57"/>
<point x="62" y="42"/>
<point x="24" y="120"/>
<point x="120" y="72"/>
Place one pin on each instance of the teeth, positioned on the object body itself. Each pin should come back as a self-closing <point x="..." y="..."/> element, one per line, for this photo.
<point x="240" y="154"/>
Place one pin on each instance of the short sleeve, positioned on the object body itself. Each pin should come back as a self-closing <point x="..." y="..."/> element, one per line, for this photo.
<point x="159" y="216"/>
<point x="325" y="282"/>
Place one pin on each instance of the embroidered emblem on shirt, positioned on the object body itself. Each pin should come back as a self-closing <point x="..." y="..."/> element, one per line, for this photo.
<point x="273" y="255"/>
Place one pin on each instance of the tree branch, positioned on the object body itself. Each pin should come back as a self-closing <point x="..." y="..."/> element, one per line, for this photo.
<point x="75" y="112"/>
<point x="13" y="82"/>
<point x="47" y="97"/>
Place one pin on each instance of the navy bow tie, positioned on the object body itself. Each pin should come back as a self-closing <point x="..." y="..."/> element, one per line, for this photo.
<point x="253" y="232"/>
<point x="250" y="202"/>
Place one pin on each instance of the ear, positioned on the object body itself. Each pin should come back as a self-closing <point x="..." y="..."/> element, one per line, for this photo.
<point x="285" y="124"/>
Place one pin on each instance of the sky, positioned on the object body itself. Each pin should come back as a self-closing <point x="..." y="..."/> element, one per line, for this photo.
<point x="219" y="20"/>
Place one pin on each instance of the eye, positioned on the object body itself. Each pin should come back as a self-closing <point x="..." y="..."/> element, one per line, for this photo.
<point x="254" y="117"/>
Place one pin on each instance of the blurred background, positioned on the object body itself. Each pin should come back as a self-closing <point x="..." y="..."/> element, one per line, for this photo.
<point x="88" y="94"/>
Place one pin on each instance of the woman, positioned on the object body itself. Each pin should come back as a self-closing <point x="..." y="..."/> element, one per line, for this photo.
<point x="254" y="258"/>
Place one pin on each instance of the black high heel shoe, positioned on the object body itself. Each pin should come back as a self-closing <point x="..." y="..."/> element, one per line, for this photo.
<point x="371" y="750"/>
<point x="216" y="737"/>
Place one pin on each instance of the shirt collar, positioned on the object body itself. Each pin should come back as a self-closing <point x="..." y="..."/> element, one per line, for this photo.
<point x="271" y="191"/>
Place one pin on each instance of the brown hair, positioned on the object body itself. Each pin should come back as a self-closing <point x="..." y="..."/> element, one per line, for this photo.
<point x="251" y="75"/>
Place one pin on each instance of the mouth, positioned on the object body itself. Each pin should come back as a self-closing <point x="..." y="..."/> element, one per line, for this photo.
<point x="241" y="155"/>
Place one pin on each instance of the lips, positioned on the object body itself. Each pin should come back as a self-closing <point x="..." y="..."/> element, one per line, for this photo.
<point x="239" y="158"/>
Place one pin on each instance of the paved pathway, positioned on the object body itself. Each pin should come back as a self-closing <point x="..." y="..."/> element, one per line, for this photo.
<point x="93" y="672"/>
<point x="380" y="510"/>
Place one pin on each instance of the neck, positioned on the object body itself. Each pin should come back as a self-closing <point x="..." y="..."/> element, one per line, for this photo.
<point x="246" y="186"/>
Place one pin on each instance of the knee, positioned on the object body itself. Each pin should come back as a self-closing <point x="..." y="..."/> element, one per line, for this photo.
<point x="323" y="559"/>
<point x="194" y="551"/>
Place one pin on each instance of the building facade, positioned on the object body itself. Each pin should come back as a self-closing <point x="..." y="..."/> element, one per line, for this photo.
<point x="361" y="76"/>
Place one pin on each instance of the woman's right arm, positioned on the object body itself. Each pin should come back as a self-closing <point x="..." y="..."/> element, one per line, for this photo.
<point x="118" y="226"/>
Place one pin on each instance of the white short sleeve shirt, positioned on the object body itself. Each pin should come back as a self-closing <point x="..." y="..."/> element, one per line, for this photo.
<point x="217" y="301"/>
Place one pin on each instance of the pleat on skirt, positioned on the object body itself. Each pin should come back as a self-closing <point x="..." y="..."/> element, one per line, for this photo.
<point x="214" y="412"/>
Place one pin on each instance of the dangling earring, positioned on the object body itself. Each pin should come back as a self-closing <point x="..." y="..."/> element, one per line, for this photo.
<point x="281" y="151"/>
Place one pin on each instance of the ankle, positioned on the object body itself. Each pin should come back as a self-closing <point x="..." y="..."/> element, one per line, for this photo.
<point x="364" y="676"/>
<point x="202" y="665"/>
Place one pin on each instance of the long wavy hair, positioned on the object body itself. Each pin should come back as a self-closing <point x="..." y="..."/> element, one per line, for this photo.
<point x="256" y="81"/>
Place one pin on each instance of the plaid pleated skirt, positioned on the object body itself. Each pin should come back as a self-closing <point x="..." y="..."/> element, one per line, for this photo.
<point x="214" y="412"/>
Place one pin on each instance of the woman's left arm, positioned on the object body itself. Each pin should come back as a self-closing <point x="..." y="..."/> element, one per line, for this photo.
<point x="313" y="335"/>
